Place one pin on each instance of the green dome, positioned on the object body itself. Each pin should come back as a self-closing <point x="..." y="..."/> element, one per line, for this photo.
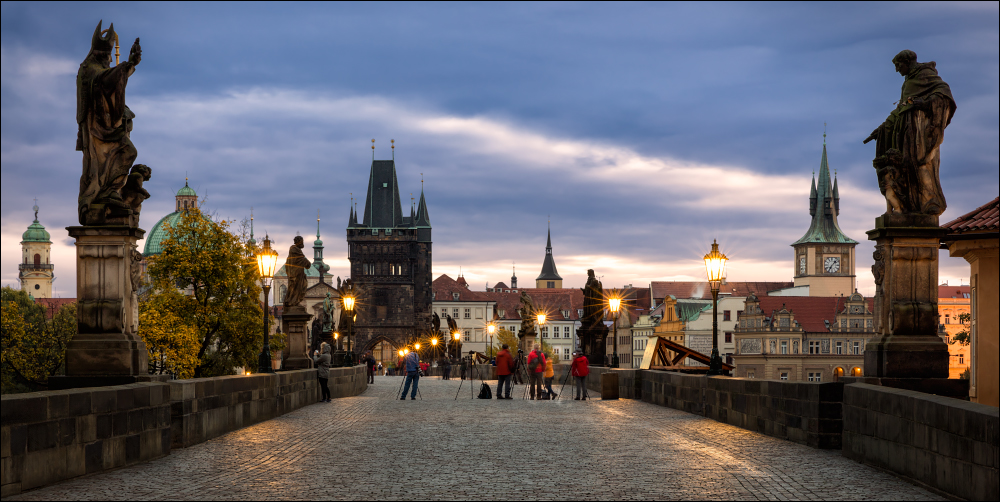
<point x="186" y="191"/>
<point x="35" y="233"/>
<point x="158" y="233"/>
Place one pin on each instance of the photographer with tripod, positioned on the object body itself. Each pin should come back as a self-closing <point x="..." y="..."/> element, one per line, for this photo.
<point x="580" y="369"/>
<point x="536" y="369"/>
<point x="411" y="361"/>
<point x="505" y="366"/>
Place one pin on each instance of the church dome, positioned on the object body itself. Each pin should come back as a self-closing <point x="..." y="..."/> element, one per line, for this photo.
<point x="156" y="235"/>
<point x="186" y="191"/>
<point x="35" y="233"/>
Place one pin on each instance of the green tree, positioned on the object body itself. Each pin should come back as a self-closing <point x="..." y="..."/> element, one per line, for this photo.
<point x="219" y="297"/>
<point x="963" y="337"/>
<point x="33" y="349"/>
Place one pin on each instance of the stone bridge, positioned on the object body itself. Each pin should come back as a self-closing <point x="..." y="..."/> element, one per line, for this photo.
<point x="373" y="446"/>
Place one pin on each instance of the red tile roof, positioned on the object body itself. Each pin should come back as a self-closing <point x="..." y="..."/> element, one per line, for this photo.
<point x="699" y="290"/>
<point x="945" y="291"/>
<point x="52" y="305"/>
<point x="984" y="218"/>
<point x="809" y="311"/>
<point x="445" y="287"/>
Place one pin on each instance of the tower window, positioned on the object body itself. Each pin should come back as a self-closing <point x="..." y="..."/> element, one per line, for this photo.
<point x="550" y="284"/>
<point x="38" y="260"/>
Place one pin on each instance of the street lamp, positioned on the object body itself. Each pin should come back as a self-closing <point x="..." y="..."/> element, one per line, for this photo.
<point x="615" y="305"/>
<point x="715" y="268"/>
<point x="457" y="335"/>
<point x="491" y="328"/>
<point x="541" y="322"/>
<point x="349" y="308"/>
<point x="267" y="262"/>
<point x="434" y="344"/>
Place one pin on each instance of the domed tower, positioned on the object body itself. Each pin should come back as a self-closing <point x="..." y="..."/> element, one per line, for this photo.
<point x="186" y="198"/>
<point x="36" y="271"/>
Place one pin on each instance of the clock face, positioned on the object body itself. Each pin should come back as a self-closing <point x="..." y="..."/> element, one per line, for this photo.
<point x="832" y="265"/>
<point x="802" y="265"/>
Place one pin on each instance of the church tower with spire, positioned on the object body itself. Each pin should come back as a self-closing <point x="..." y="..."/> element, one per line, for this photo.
<point x="390" y="257"/>
<point x="824" y="256"/>
<point x="549" y="278"/>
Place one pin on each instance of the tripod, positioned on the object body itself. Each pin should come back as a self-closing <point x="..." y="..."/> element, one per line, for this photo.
<point x="472" y="378"/>
<point x="522" y="373"/>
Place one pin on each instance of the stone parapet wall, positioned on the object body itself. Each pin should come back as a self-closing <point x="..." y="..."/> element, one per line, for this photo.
<point x="204" y="408"/>
<point x="947" y="444"/>
<point x="52" y="436"/>
<point x="804" y="412"/>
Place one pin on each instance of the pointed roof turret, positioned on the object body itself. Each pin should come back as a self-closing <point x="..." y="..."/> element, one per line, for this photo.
<point x="549" y="272"/>
<point x="812" y="196"/>
<point x="382" y="208"/>
<point x="423" y="219"/>
<point x="824" y="227"/>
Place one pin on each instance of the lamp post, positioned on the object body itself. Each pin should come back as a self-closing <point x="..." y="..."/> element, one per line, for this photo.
<point x="434" y="344"/>
<point x="614" y="305"/>
<point x="715" y="268"/>
<point x="491" y="328"/>
<point x="541" y="322"/>
<point x="267" y="261"/>
<point x="457" y="335"/>
<point x="349" y="307"/>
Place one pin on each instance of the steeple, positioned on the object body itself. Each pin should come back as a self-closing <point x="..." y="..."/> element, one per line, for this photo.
<point x="382" y="207"/>
<point x="423" y="219"/>
<point x="824" y="206"/>
<point x="318" y="264"/>
<point x="253" y="242"/>
<point x="549" y="278"/>
<point x="836" y="194"/>
<point x="513" y="277"/>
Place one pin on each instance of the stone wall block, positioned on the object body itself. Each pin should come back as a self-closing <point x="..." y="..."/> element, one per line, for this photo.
<point x="4" y="441"/>
<point x="66" y="432"/>
<point x="23" y="409"/>
<point x="114" y="452"/>
<point x="42" y="435"/>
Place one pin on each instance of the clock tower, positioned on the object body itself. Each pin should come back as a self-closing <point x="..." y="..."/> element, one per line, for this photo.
<point x="824" y="256"/>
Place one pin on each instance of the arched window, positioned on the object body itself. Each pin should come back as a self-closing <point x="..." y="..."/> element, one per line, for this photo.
<point x="838" y="372"/>
<point x="856" y="371"/>
<point x="282" y="291"/>
<point x="38" y="260"/>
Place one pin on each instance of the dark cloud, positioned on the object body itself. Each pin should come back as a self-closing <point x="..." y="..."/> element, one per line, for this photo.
<point x="643" y="130"/>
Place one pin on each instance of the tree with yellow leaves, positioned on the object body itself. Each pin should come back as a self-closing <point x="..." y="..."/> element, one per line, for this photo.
<point x="203" y="307"/>
<point x="33" y="348"/>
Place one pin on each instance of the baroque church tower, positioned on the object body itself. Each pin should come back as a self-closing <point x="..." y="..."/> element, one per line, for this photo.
<point x="824" y="256"/>
<point x="390" y="257"/>
<point x="549" y="278"/>
<point x="36" y="271"/>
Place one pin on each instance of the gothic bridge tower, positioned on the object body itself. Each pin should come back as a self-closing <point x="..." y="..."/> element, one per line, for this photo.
<point x="390" y="257"/>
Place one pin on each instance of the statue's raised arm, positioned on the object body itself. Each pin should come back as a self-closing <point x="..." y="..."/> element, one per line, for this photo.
<point x="907" y="145"/>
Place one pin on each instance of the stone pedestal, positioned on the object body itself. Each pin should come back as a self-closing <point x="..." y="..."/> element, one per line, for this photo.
<point x="107" y="349"/>
<point x="592" y="343"/>
<point x="293" y="323"/>
<point x="906" y="309"/>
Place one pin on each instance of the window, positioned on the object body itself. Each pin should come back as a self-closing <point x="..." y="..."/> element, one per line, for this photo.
<point x="566" y="332"/>
<point x="545" y="332"/>
<point x="947" y="317"/>
<point x="550" y="284"/>
<point x="751" y="374"/>
<point x="725" y="315"/>
<point x="739" y="314"/>
<point x="838" y="347"/>
<point x="815" y="376"/>
<point x="784" y="346"/>
<point x="444" y="312"/>
<point x="468" y="313"/>
<point x="784" y="322"/>
<point x="856" y="348"/>
<point x="454" y="313"/>
<point x="468" y="335"/>
<point x="961" y="359"/>
<point x="566" y="353"/>
<point x="729" y="337"/>
<point x="784" y="375"/>
<point x="814" y="347"/>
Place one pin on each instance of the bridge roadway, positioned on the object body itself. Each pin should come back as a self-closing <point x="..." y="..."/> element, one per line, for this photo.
<point x="376" y="447"/>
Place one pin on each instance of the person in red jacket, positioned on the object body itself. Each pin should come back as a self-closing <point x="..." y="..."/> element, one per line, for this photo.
<point x="580" y="369"/>
<point x="536" y="368"/>
<point x="505" y="366"/>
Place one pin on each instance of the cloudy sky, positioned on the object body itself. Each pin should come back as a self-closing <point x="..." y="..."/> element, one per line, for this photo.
<point x="642" y="131"/>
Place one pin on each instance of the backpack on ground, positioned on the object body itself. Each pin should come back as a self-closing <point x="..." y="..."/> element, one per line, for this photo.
<point x="485" y="392"/>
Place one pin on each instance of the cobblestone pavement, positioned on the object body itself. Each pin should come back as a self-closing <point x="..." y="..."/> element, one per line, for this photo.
<point x="376" y="447"/>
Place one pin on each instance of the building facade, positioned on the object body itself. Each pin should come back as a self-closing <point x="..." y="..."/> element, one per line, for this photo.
<point x="953" y="307"/>
<point x="390" y="258"/>
<point x="36" y="271"/>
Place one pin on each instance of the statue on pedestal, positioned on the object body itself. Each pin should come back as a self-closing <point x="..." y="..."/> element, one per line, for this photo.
<point x="907" y="144"/>
<point x="592" y="329"/>
<point x="328" y="308"/>
<point x="104" y="125"/>
<point x="295" y="266"/>
<point x="527" y="313"/>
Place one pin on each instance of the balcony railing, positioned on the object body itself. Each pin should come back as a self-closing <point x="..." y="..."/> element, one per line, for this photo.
<point x="32" y="266"/>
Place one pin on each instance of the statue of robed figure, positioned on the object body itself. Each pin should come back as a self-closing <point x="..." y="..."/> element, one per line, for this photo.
<point x="295" y="266"/>
<point x="104" y="125"/>
<point x="907" y="144"/>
